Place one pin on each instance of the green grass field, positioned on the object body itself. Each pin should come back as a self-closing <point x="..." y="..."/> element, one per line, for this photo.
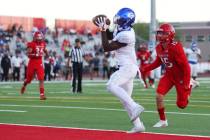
<point x="96" y="108"/>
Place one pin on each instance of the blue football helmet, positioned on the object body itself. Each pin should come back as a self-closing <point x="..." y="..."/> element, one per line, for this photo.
<point x="124" y="18"/>
<point x="193" y="45"/>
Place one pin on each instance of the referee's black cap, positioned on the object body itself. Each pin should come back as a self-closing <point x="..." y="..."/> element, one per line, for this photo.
<point x="77" y="40"/>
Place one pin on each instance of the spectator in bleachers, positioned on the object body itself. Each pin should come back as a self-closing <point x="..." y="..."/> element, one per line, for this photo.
<point x="96" y="65"/>
<point x="112" y="63"/>
<point x="25" y="63"/>
<point x="105" y="66"/>
<point x="67" y="67"/>
<point x="66" y="47"/>
<point x="5" y="65"/>
<point x="16" y="64"/>
<point x="57" y="64"/>
<point x="47" y="67"/>
<point x="91" y="66"/>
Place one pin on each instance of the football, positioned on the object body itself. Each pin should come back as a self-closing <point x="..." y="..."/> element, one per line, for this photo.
<point x="101" y="17"/>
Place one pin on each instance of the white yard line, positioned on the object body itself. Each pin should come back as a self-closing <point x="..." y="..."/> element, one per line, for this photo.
<point x="205" y="80"/>
<point x="111" y="99"/>
<point x="60" y="127"/>
<point x="100" y="109"/>
<point x="18" y="111"/>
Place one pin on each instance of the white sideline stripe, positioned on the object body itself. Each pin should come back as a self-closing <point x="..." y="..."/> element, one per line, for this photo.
<point x="21" y="111"/>
<point x="104" y="109"/>
<point x="71" y="98"/>
<point x="61" y="127"/>
<point x="206" y="80"/>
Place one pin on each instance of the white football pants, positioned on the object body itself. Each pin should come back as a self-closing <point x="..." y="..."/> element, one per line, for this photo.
<point x="120" y="84"/>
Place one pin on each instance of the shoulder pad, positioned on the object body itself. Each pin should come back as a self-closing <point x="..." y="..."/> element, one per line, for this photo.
<point x="29" y="44"/>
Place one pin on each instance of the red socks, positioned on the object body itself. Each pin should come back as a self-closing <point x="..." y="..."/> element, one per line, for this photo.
<point x="41" y="91"/>
<point x="162" y="115"/>
<point x="25" y="84"/>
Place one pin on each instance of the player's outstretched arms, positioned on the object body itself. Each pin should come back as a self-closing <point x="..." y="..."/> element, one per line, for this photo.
<point x="151" y="66"/>
<point x="102" y="22"/>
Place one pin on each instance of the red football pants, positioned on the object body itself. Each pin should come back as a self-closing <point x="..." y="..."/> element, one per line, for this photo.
<point x="167" y="82"/>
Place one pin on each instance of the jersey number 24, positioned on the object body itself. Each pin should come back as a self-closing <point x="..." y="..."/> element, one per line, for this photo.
<point x="39" y="51"/>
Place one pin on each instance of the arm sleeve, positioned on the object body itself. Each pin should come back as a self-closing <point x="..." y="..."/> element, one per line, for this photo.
<point x="153" y="65"/>
<point x="109" y="34"/>
<point x="181" y="60"/>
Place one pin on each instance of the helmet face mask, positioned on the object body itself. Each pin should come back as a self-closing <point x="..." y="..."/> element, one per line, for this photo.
<point x="124" y="18"/>
<point x="162" y="36"/>
<point x="143" y="47"/>
<point x="193" y="46"/>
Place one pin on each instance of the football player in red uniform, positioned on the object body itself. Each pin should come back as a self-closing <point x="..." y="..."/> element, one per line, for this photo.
<point x="35" y="52"/>
<point x="144" y="56"/>
<point x="177" y="71"/>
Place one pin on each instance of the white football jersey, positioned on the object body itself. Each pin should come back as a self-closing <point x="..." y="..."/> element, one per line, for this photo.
<point x="193" y="55"/>
<point x="126" y="55"/>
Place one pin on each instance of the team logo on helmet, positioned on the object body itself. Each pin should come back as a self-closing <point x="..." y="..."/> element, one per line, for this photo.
<point x="124" y="18"/>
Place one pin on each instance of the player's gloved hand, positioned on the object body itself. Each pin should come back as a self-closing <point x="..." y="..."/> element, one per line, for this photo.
<point x="102" y="22"/>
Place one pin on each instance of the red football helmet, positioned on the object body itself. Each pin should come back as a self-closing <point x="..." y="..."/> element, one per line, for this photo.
<point x="165" y="33"/>
<point x="143" y="47"/>
<point x="38" y="36"/>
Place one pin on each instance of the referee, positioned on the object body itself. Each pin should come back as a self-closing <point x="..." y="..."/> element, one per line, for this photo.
<point x="76" y="56"/>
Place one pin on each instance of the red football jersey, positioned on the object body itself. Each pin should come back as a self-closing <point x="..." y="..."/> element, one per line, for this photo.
<point x="175" y="61"/>
<point x="38" y="49"/>
<point x="143" y="56"/>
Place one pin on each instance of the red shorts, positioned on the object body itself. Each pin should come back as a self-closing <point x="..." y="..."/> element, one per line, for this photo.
<point x="166" y="83"/>
<point x="34" y="68"/>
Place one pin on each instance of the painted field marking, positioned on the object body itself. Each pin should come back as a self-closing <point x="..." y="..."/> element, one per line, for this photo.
<point x="19" y="111"/>
<point x="101" y="102"/>
<point x="108" y="130"/>
<point x="106" y="98"/>
<point x="100" y="109"/>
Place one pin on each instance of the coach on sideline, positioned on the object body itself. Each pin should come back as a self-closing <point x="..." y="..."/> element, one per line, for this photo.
<point x="76" y="56"/>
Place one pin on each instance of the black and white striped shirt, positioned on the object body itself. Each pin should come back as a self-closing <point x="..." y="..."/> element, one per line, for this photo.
<point x="76" y="55"/>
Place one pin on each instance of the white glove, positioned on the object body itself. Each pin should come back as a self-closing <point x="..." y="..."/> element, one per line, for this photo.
<point x="101" y="22"/>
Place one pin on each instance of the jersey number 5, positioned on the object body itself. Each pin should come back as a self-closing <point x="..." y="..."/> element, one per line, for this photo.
<point x="166" y="62"/>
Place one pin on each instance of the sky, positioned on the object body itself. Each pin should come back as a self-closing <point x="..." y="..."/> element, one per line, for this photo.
<point x="166" y="10"/>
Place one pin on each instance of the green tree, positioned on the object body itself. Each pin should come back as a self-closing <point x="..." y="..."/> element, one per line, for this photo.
<point x="142" y="30"/>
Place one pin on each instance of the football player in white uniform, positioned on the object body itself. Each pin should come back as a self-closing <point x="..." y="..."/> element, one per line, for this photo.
<point x="122" y="41"/>
<point x="193" y="54"/>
